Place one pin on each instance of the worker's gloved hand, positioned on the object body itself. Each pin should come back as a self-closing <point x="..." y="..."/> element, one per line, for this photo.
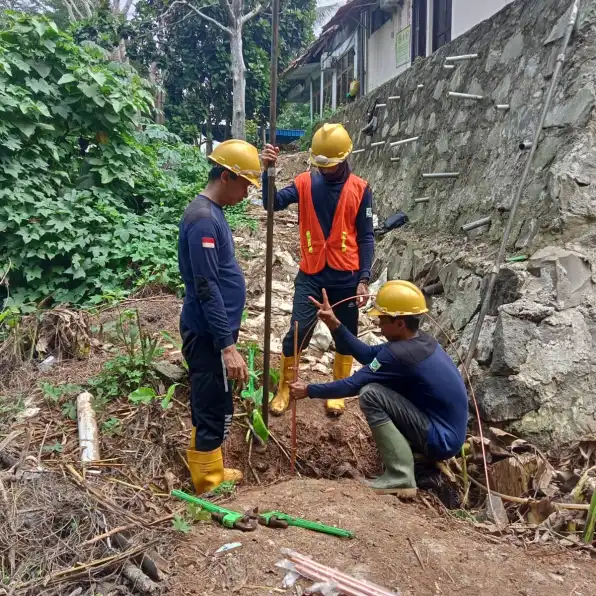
<point x="235" y="365"/>
<point x="298" y="390"/>
<point x="269" y="155"/>
<point x="326" y="313"/>
<point x="362" y="293"/>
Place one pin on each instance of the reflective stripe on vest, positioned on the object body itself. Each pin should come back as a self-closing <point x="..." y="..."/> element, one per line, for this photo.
<point x="340" y="249"/>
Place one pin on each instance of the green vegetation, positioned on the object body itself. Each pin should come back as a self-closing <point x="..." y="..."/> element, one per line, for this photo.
<point x="90" y="194"/>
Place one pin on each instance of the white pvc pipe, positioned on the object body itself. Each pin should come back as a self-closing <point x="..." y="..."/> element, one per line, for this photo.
<point x="422" y="200"/>
<point x="449" y="66"/>
<point x="88" y="433"/>
<point x="465" y="95"/>
<point x="395" y="158"/>
<point x="380" y="105"/>
<point x="391" y="97"/>
<point x="377" y="144"/>
<point x="502" y="106"/>
<point x="441" y="175"/>
<point x="403" y="142"/>
<point x="460" y="58"/>
<point x="420" y="86"/>
<point x="358" y="151"/>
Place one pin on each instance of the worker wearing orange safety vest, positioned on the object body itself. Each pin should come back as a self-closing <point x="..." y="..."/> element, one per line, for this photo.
<point x="336" y="248"/>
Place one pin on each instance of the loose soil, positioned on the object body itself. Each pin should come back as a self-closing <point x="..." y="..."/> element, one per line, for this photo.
<point x="453" y="558"/>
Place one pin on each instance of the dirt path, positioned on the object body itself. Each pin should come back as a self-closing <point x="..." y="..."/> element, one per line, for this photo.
<point x="454" y="559"/>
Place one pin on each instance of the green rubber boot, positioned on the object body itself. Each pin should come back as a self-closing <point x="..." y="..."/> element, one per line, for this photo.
<point x="398" y="478"/>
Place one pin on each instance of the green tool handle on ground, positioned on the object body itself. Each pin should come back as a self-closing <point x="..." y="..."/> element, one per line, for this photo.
<point x="226" y="517"/>
<point x="306" y="524"/>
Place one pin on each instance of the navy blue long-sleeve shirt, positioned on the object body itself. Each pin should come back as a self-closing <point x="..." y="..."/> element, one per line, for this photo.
<point x="214" y="283"/>
<point x="422" y="372"/>
<point x="325" y="196"/>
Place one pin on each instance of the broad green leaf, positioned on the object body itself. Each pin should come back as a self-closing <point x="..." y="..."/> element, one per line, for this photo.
<point x="27" y="128"/>
<point x="142" y="395"/>
<point x="42" y="68"/>
<point x="66" y="78"/>
<point x="40" y="27"/>
<point x="99" y="78"/>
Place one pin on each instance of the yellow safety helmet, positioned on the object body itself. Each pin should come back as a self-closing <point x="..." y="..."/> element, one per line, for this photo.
<point x="399" y="298"/>
<point x="331" y="145"/>
<point x="239" y="157"/>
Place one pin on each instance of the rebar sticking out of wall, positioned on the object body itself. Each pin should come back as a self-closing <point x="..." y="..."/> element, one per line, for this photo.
<point x="440" y="175"/>
<point x="476" y="224"/>
<point x="461" y="58"/>
<point x="377" y="144"/>
<point x="525" y="145"/>
<point x="465" y="95"/>
<point x="422" y="200"/>
<point x="403" y="142"/>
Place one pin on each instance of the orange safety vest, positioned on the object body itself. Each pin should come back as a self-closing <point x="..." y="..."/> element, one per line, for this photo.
<point x="340" y="250"/>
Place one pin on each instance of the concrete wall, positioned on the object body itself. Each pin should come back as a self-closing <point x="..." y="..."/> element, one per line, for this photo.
<point x="382" y="64"/>
<point x="468" y="13"/>
<point x="543" y="385"/>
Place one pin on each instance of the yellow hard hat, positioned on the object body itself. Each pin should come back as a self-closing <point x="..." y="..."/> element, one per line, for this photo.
<point x="331" y="145"/>
<point x="239" y="157"/>
<point x="399" y="298"/>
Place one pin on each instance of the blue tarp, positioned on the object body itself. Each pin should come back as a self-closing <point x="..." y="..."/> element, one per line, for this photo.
<point x="284" y="136"/>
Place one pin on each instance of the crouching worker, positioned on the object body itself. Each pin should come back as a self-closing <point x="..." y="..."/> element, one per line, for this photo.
<point x="411" y="392"/>
<point x="212" y="311"/>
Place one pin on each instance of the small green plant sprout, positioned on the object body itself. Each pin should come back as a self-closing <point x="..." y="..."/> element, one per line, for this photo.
<point x="181" y="525"/>
<point x="254" y="397"/>
<point x="225" y="488"/>
<point x="197" y="513"/>
<point x="112" y="427"/>
<point x="51" y="392"/>
<point x="54" y="448"/>
<point x="146" y="395"/>
<point x="69" y="410"/>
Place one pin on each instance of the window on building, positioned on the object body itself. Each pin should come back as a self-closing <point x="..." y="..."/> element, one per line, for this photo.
<point x="418" y="29"/>
<point x="378" y="18"/>
<point x="345" y="75"/>
<point x="441" y="23"/>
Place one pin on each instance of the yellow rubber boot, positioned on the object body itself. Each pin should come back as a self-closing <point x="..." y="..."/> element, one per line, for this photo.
<point x="279" y="404"/>
<point x="342" y="368"/>
<point x="206" y="468"/>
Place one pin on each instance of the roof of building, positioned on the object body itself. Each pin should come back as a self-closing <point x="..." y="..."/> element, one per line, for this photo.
<point x="329" y="30"/>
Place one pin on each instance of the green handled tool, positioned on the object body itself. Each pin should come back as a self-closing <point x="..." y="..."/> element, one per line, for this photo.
<point x="276" y="519"/>
<point x="246" y="522"/>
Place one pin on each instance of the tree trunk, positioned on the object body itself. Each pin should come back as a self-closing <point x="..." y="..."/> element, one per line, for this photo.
<point x="209" y="137"/>
<point x="238" y="82"/>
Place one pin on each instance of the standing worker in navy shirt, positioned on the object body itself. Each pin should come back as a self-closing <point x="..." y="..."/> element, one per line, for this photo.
<point x="212" y="311"/>
<point x="336" y="248"/>
<point x="410" y="390"/>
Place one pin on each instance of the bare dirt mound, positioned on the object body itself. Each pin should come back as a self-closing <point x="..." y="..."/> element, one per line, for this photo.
<point x="400" y="546"/>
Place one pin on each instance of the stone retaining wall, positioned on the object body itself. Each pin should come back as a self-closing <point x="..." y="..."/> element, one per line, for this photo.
<point x="535" y="367"/>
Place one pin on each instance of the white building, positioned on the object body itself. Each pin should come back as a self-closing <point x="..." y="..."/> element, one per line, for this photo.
<point x="373" y="41"/>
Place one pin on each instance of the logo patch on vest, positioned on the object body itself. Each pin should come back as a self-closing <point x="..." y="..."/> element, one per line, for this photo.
<point x="375" y="365"/>
<point x="369" y="212"/>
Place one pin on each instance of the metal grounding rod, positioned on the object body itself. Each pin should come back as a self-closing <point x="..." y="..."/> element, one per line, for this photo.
<point x="520" y="189"/>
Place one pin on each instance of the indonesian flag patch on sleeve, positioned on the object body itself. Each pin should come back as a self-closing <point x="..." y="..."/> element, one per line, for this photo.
<point x="208" y="242"/>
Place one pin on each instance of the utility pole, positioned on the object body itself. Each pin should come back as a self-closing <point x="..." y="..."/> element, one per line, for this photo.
<point x="271" y="201"/>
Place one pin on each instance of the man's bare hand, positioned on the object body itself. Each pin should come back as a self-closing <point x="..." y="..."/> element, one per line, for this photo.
<point x="298" y="390"/>
<point x="362" y="293"/>
<point x="235" y="365"/>
<point x="269" y="155"/>
<point x="326" y="313"/>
